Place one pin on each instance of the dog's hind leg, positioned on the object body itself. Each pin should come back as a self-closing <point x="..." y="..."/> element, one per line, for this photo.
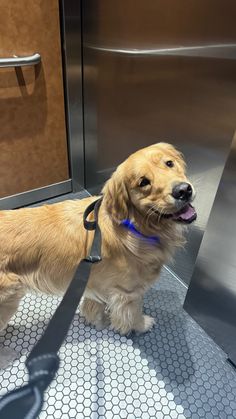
<point x="11" y="292"/>
<point x="94" y="313"/>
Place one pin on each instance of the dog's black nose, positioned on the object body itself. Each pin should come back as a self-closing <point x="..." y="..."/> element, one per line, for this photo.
<point x="182" y="191"/>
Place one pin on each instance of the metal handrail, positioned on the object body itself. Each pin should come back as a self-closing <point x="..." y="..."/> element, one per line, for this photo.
<point x="20" y="61"/>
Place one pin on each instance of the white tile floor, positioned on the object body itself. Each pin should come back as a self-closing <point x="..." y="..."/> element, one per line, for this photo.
<point x="174" y="371"/>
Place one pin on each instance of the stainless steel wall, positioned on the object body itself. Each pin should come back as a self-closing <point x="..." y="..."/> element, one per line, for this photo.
<point x="211" y="297"/>
<point x="161" y="70"/>
<point x="71" y="29"/>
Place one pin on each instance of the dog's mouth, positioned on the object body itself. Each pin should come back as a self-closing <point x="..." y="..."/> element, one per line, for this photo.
<point x="186" y="215"/>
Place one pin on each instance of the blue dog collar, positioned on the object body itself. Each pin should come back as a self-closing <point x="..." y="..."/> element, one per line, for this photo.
<point x="131" y="227"/>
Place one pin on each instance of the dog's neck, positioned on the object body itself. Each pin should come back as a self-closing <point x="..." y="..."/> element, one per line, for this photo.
<point x="129" y="225"/>
<point x="168" y="235"/>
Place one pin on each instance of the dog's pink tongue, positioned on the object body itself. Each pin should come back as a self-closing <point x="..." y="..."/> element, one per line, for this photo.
<point x="187" y="214"/>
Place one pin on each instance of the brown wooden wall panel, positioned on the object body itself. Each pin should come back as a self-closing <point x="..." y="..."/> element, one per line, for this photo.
<point x="33" y="143"/>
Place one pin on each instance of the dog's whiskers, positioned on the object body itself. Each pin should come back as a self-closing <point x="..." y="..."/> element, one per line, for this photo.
<point x="196" y="181"/>
<point x="150" y="212"/>
<point x="155" y="209"/>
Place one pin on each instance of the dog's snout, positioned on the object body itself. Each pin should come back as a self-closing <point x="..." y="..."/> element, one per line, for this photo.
<point x="182" y="191"/>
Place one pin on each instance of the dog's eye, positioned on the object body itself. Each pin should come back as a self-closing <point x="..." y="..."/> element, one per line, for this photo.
<point x="144" y="182"/>
<point x="170" y="163"/>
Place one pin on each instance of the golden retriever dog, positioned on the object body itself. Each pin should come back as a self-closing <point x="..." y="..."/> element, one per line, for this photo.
<point x="145" y="205"/>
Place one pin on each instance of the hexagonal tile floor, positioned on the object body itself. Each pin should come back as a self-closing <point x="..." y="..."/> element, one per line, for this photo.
<point x="174" y="371"/>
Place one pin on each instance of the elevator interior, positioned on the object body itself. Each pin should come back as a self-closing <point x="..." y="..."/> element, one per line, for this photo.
<point x="166" y="70"/>
<point x="136" y="73"/>
<point x="162" y="70"/>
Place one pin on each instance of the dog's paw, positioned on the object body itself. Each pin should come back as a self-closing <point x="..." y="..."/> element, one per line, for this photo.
<point x="147" y="323"/>
<point x="101" y="322"/>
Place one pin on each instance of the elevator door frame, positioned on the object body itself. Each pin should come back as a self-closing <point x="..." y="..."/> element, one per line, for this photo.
<point x="70" y="23"/>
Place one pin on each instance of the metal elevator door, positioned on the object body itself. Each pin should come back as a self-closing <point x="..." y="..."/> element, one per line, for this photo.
<point x="161" y="70"/>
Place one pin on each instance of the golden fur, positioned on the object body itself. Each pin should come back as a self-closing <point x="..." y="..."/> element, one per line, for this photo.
<point x="41" y="247"/>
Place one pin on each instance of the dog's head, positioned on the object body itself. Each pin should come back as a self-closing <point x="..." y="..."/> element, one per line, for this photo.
<point x="153" y="182"/>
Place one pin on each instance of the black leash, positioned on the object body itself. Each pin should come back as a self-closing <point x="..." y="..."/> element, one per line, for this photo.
<point x="43" y="362"/>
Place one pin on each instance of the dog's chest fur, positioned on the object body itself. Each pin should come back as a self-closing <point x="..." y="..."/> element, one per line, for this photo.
<point x="130" y="264"/>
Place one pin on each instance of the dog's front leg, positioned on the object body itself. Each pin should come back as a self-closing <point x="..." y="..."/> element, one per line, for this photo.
<point x="126" y="315"/>
<point x="94" y="313"/>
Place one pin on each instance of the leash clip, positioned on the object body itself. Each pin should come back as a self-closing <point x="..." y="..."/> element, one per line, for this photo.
<point x="93" y="259"/>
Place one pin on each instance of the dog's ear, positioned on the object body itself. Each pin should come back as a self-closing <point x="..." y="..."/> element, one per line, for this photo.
<point x="116" y="197"/>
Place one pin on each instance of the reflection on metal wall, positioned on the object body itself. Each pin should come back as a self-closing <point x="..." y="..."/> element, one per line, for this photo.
<point x="211" y="298"/>
<point x="161" y="70"/>
<point x="71" y="28"/>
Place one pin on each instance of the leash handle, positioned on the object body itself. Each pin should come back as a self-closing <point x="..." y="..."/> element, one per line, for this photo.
<point x="43" y="362"/>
